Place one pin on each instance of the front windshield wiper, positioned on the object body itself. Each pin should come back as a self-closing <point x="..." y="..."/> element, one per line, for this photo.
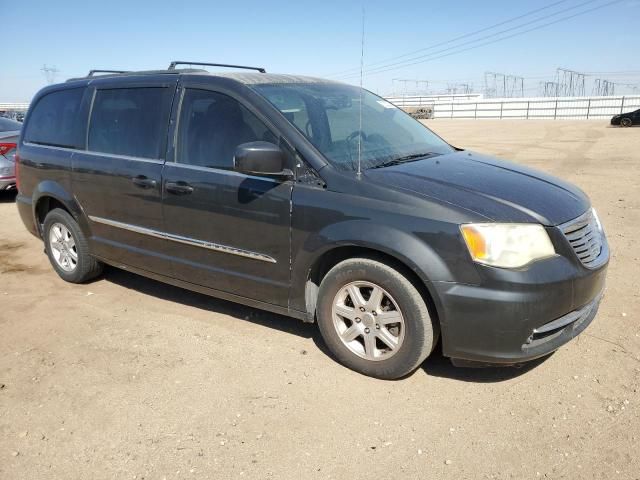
<point x="405" y="159"/>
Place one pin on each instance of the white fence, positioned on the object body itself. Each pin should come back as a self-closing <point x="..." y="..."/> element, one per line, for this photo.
<point x="23" y="106"/>
<point x="524" y="108"/>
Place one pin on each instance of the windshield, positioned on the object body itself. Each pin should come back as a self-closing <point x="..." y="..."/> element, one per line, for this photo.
<point x="329" y="116"/>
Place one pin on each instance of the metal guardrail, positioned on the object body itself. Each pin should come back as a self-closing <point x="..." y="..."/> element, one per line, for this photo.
<point x="525" y="108"/>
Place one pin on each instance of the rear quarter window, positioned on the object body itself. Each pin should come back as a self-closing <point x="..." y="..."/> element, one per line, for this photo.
<point x="55" y="119"/>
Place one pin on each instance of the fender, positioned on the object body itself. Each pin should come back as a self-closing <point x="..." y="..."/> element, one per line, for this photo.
<point x="412" y="251"/>
<point x="53" y="189"/>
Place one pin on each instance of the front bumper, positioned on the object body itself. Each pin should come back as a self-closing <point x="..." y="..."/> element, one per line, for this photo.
<point x="516" y="316"/>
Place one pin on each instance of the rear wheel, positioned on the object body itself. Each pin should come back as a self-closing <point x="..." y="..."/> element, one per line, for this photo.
<point x="67" y="248"/>
<point x="626" y="122"/>
<point x="373" y="319"/>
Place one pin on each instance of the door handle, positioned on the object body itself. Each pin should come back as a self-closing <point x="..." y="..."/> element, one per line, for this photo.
<point x="178" y="188"/>
<point x="143" y="182"/>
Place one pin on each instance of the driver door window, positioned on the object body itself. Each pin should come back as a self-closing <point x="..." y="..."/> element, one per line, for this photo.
<point x="212" y="125"/>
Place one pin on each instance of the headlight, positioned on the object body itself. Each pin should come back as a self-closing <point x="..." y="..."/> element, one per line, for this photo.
<point x="507" y="245"/>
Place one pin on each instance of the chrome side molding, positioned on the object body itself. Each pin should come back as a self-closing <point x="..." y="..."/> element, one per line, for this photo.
<point x="187" y="241"/>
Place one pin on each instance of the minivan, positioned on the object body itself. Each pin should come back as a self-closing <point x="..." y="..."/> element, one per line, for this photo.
<point x="312" y="199"/>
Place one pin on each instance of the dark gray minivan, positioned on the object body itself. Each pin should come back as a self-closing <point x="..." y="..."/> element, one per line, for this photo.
<point x="313" y="199"/>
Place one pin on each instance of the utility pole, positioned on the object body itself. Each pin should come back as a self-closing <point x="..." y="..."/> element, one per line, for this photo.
<point x="49" y="73"/>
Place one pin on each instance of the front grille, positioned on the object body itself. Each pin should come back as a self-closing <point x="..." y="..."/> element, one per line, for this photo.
<point x="585" y="238"/>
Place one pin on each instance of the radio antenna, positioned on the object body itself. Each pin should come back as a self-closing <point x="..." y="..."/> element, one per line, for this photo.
<point x="360" y="112"/>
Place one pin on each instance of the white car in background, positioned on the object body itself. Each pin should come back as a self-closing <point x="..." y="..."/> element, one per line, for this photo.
<point x="9" y="133"/>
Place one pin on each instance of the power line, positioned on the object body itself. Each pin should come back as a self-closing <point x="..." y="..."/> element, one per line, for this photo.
<point x="513" y="19"/>
<point x="538" y="27"/>
<point x="406" y="81"/>
<point x="471" y="42"/>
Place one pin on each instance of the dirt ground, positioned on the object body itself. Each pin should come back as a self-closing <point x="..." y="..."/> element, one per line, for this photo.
<point x="127" y="378"/>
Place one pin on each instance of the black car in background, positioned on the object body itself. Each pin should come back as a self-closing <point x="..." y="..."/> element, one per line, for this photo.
<point x="626" y="119"/>
<point x="313" y="199"/>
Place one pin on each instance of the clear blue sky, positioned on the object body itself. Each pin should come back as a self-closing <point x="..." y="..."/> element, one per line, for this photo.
<point x="319" y="37"/>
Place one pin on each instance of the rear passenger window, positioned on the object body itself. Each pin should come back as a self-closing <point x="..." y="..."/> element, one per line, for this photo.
<point x="130" y="121"/>
<point x="55" y="120"/>
<point x="212" y="125"/>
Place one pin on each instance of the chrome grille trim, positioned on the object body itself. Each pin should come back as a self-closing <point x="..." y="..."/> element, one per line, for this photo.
<point x="585" y="238"/>
<point x="180" y="239"/>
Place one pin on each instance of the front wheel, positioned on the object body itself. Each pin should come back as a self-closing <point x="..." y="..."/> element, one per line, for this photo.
<point x="626" y="122"/>
<point x="373" y="319"/>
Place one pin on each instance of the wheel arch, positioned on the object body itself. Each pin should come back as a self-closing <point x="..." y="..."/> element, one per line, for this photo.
<point x="50" y="195"/>
<point x="337" y="253"/>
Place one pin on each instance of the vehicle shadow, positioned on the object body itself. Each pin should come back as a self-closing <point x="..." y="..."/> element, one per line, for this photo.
<point x="189" y="298"/>
<point x="8" y="197"/>
<point x="436" y="365"/>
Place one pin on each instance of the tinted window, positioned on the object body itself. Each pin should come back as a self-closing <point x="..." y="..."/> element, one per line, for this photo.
<point x="130" y="121"/>
<point x="212" y="125"/>
<point x="7" y="125"/>
<point x="55" y="119"/>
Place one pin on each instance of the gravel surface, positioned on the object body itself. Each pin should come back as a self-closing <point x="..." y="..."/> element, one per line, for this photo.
<point x="127" y="378"/>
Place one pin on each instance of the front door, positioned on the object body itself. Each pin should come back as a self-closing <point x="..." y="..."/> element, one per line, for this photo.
<point x="227" y="230"/>
<point x="118" y="178"/>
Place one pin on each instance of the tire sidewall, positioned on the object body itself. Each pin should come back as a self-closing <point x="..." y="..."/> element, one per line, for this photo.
<point x="62" y="217"/>
<point x="418" y="335"/>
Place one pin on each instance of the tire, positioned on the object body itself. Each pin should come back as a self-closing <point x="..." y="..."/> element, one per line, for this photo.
<point x="81" y="266"/>
<point x="414" y="336"/>
<point x="626" y="122"/>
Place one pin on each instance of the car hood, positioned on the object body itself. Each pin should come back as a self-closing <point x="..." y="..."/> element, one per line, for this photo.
<point x="496" y="189"/>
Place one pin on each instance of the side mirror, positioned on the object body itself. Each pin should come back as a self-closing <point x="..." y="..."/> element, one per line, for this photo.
<point x="261" y="158"/>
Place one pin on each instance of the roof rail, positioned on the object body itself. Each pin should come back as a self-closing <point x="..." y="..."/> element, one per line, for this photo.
<point x="93" y="72"/>
<point x="173" y="65"/>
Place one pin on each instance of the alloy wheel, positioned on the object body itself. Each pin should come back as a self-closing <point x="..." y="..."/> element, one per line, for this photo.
<point x="63" y="247"/>
<point x="368" y="320"/>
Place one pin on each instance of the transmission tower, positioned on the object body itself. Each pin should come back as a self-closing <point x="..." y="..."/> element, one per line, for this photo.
<point x="502" y="85"/>
<point x="550" y="89"/>
<point x="571" y="83"/>
<point x="603" y="88"/>
<point x="466" y="88"/>
<point x="49" y="73"/>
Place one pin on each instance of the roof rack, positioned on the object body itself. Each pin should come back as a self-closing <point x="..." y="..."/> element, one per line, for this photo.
<point x="173" y="65"/>
<point x="93" y="72"/>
